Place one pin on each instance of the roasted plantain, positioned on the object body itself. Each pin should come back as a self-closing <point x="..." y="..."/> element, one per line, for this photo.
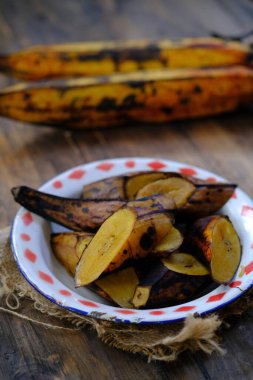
<point x="139" y="97"/>
<point x="120" y="187"/>
<point x="193" y="197"/>
<point x="215" y="240"/>
<point x="124" y="235"/>
<point x="119" y="286"/>
<point x="170" y="281"/>
<point x="102" y="58"/>
<point x="80" y="215"/>
<point x="69" y="246"/>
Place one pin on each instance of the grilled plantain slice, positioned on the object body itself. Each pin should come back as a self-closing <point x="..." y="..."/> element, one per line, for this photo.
<point x="171" y="280"/>
<point x="136" y="182"/>
<point x="119" y="286"/>
<point x="123" y="236"/>
<point x="120" y="187"/>
<point x="116" y="287"/>
<point x="180" y="189"/>
<point x="216" y="241"/>
<point x="206" y="199"/>
<point x="170" y="243"/>
<point x="193" y="198"/>
<point x="69" y="246"/>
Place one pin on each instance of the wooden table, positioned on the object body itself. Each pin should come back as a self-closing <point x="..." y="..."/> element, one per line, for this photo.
<point x="31" y="155"/>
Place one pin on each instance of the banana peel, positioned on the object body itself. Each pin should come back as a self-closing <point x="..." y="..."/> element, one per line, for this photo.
<point x="107" y="57"/>
<point x="134" y="98"/>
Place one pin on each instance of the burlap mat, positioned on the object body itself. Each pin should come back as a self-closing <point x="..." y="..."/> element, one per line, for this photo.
<point x="160" y="342"/>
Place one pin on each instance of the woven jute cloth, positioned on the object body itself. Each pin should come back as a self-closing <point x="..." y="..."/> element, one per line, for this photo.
<point x="157" y="342"/>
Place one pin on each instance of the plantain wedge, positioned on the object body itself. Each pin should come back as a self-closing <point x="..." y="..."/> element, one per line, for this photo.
<point x="171" y="280"/>
<point x="120" y="187"/>
<point x="69" y="246"/>
<point x="180" y="189"/>
<point x="193" y="198"/>
<point x="119" y="286"/>
<point x="116" y="287"/>
<point x="215" y="240"/>
<point x="123" y="236"/>
<point x="170" y="243"/>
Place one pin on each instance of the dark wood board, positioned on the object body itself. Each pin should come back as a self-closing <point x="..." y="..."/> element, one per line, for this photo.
<point x="31" y="155"/>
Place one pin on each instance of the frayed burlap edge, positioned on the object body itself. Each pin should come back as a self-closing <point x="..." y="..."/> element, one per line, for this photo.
<point x="158" y="342"/>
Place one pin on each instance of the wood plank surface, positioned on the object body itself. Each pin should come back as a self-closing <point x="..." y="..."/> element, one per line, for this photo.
<point x="31" y="155"/>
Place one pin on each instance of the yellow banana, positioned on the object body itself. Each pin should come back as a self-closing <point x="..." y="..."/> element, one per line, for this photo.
<point x="157" y="96"/>
<point x="104" y="58"/>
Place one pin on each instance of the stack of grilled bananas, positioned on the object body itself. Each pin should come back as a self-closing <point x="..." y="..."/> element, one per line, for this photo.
<point x="103" y="84"/>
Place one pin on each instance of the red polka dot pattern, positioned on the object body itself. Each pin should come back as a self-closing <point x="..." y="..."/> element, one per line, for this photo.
<point x="45" y="277"/>
<point x="234" y="195"/>
<point x="31" y="256"/>
<point x="157" y="165"/>
<point x="188" y="171"/>
<point x="25" y="237"/>
<point x="247" y="211"/>
<point x="234" y="284"/>
<point x="105" y="166"/>
<point x="27" y="218"/>
<point x="217" y="297"/>
<point x="184" y="308"/>
<point x="65" y="292"/>
<point x="211" y="179"/>
<point x="88" y="303"/>
<point x="130" y="164"/>
<point x="125" y="311"/>
<point x="77" y="174"/>
<point x="156" y="312"/>
<point x="249" y="268"/>
<point x="57" y="184"/>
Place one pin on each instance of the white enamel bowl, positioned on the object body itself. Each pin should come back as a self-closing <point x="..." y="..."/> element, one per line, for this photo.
<point x="31" y="249"/>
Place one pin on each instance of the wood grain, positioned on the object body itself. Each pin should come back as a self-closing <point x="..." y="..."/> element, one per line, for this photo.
<point x="31" y="155"/>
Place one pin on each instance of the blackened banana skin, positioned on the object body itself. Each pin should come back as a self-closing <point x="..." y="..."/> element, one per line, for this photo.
<point x="156" y="96"/>
<point x="84" y="214"/>
<point x="104" y="58"/>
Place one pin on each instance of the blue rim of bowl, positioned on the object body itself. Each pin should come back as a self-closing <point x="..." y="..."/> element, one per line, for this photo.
<point x="97" y="316"/>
